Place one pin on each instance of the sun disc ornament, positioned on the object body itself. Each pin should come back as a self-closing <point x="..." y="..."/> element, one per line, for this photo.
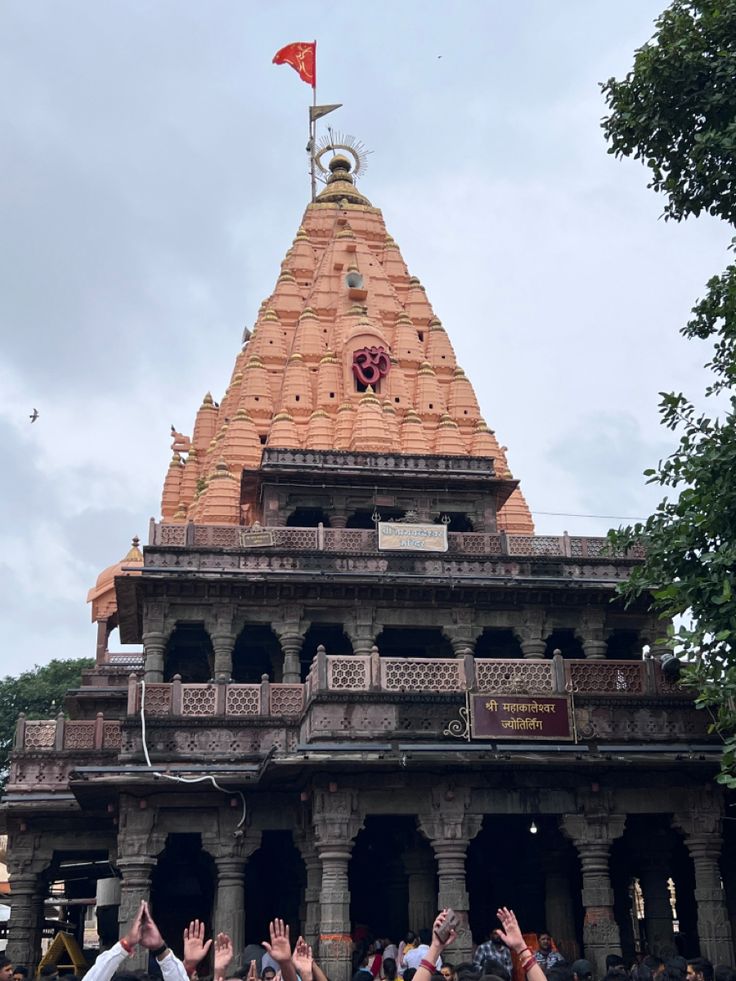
<point x="342" y="143"/>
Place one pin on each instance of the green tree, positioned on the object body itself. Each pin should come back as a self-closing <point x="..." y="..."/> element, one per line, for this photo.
<point x="676" y="111"/>
<point x="40" y="694"/>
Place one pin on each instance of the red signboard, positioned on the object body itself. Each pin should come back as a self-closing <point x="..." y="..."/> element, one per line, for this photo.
<point x="520" y="717"/>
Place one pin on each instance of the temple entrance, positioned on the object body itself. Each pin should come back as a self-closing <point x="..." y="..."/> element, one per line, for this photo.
<point x="182" y="887"/>
<point x="526" y="864"/>
<point x="392" y="878"/>
<point x="275" y="879"/>
<point x="189" y="654"/>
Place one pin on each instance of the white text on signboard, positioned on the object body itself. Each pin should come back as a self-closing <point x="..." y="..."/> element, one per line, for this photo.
<point x="414" y="538"/>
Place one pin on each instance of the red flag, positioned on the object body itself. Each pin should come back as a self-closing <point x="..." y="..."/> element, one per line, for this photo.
<point x="302" y="56"/>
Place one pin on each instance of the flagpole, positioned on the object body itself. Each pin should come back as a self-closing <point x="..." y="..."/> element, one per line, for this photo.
<point x="313" y="130"/>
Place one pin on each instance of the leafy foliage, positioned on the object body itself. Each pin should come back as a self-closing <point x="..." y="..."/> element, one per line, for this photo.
<point x="676" y="110"/>
<point x="39" y="693"/>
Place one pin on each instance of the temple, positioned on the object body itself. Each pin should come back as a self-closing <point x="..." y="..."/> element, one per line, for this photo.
<point x="367" y="688"/>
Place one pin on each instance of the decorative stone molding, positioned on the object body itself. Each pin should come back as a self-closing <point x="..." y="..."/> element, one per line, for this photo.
<point x="154" y="648"/>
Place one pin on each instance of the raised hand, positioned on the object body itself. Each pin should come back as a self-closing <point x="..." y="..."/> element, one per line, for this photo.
<point x="280" y="947"/>
<point x="195" y="946"/>
<point x="133" y="936"/>
<point x="223" y="955"/>
<point x="302" y="959"/>
<point x="151" y="937"/>
<point x="511" y="932"/>
<point x="252" y="972"/>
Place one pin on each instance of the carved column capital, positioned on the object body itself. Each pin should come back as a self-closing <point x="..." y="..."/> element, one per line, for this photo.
<point x="531" y="632"/>
<point x="447" y="818"/>
<point x="154" y="648"/>
<point x="336" y="818"/>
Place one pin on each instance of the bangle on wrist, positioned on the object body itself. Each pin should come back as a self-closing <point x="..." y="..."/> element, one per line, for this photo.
<point x="528" y="964"/>
<point x="428" y="966"/>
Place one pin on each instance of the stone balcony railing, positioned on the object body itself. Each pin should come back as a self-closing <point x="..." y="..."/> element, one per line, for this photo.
<point x="365" y="541"/>
<point x="356" y="697"/>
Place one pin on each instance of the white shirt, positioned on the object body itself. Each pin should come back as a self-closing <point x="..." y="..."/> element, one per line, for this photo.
<point x="110" y="960"/>
<point x="412" y="958"/>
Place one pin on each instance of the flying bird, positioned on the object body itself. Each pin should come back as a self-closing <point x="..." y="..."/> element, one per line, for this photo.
<point x="34" y="415"/>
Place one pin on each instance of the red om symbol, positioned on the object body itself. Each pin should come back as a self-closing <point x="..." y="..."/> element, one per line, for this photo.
<point x="370" y="364"/>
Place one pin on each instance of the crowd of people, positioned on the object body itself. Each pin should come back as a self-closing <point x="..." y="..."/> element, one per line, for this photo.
<point x="418" y="957"/>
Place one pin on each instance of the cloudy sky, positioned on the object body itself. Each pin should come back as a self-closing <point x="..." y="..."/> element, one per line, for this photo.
<point x="154" y="174"/>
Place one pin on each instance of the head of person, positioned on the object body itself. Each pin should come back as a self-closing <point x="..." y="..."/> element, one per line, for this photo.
<point x="269" y="973"/>
<point x="6" y="968"/>
<point x="425" y="936"/>
<point x="724" y="972"/>
<point x="410" y="937"/>
<point x="545" y="942"/>
<point x="20" y="973"/>
<point x="409" y="974"/>
<point x="390" y="969"/>
<point x="582" y="970"/>
<point x="615" y="963"/>
<point x="699" y="969"/>
<point x="448" y="971"/>
<point x="491" y="966"/>
<point x="654" y="964"/>
<point x="561" y="971"/>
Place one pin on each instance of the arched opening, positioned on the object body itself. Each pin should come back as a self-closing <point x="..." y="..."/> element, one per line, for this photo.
<point x="257" y="652"/>
<point x="308" y="518"/>
<point x="624" y="645"/>
<point x="381" y="901"/>
<point x="459" y="521"/>
<point x="182" y="888"/>
<point x="413" y="642"/>
<point x="498" y="642"/>
<point x="564" y="640"/>
<point x="275" y="879"/>
<point x="536" y="874"/>
<point x="331" y="636"/>
<point x="189" y="653"/>
<point x="114" y="645"/>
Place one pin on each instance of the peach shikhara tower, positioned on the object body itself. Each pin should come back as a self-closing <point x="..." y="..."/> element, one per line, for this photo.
<point x="346" y="355"/>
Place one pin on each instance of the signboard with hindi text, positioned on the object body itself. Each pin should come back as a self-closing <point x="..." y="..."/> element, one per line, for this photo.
<point x="520" y="717"/>
<point x="397" y="536"/>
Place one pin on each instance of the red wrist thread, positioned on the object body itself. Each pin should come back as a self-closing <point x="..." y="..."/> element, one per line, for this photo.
<point x="428" y="965"/>
<point x="127" y="946"/>
<point x="528" y="964"/>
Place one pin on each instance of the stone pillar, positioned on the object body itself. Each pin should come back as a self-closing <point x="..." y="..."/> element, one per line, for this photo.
<point x="449" y="829"/>
<point x="592" y="835"/>
<point x="230" y="899"/>
<point x="309" y="914"/>
<point x="419" y="865"/>
<point x="138" y="849"/>
<point x="136" y="885"/>
<point x="654" y="865"/>
<point x="559" y="912"/>
<point x="336" y="823"/>
<point x="593" y="636"/>
<point x="154" y="647"/>
<point x="531" y="633"/>
<point x="26" y="922"/>
<point x="223" y="644"/>
<point x="291" y="644"/>
<point x="701" y="826"/>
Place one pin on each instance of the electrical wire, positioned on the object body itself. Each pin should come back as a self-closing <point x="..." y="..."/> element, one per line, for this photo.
<point x="186" y="780"/>
<point x="570" y="514"/>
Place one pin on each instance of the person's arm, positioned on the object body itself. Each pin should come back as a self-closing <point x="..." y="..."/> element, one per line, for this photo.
<point x="428" y="964"/>
<point x="317" y="973"/>
<point x="511" y="936"/>
<point x="280" y="949"/>
<point x="223" y="955"/>
<point x="110" y="960"/>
